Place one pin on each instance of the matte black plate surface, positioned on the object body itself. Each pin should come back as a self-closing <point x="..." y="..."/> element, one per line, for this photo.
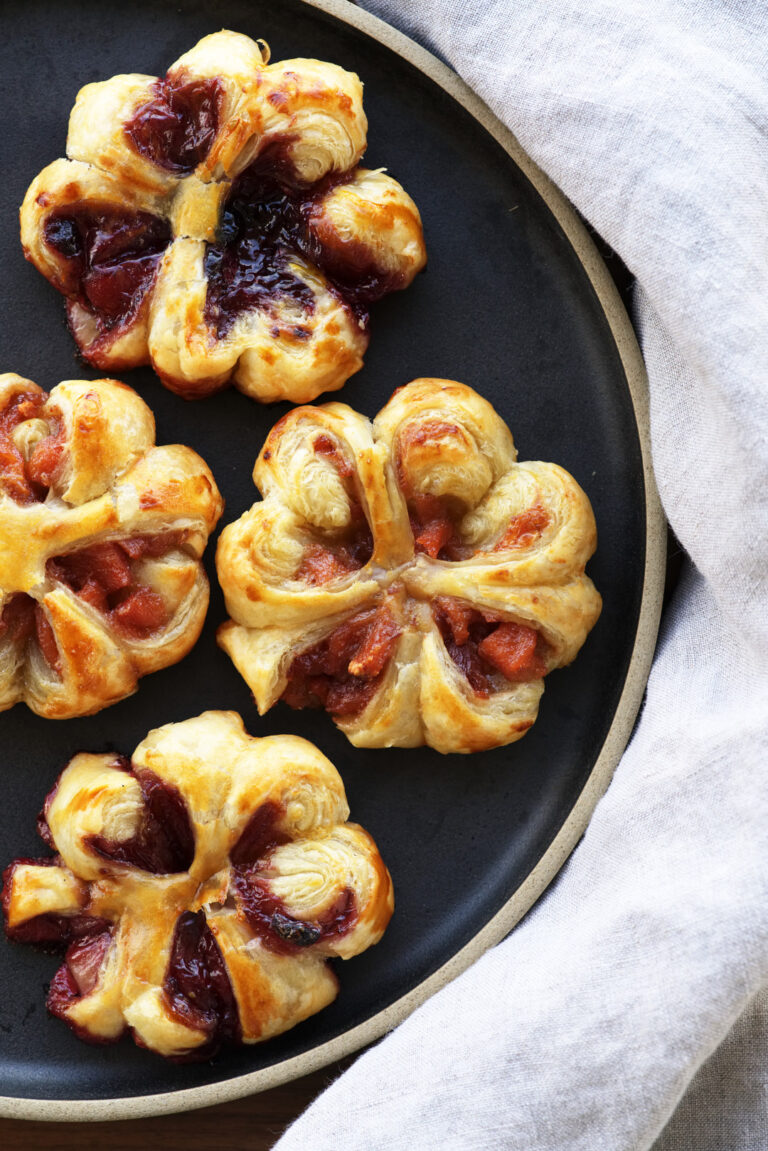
<point x="504" y="306"/>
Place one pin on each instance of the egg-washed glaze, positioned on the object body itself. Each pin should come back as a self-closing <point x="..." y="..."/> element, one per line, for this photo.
<point x="216" y="223"/>
<point x="101" y="535"/>
<point x="200" y="888"/>
<point x="408" y="573"/>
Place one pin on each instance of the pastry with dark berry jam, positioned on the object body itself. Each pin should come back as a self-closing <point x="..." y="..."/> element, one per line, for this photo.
<point x="217" y="224"/>
<point x="407" y="574"/>
<point x="101" y="538"/>
<point x="198" y="889"/>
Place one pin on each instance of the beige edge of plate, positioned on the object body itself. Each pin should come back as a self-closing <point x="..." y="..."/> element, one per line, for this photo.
<point x="136" y="1107"/>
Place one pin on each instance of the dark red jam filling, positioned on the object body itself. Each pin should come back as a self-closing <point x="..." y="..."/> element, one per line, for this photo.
<point x="280" y="931"/>
<point x="343" y="671"/>
<point x="23" y="619"/>
<point x="176" y="128"/>
<point x="27" y="481"/>
<point x="484" y="647"/>
<point x="265" y="913"/>
<point x="112" y="256"/>
<point x="165" y="841"/>
<point x="102" y="575"/>
<point x="197" y="986"/>
<point x="77" y="977"/>
<point x="260" y="834"/>
<point x="267" y="220"/>
<point x="49" y="927"/>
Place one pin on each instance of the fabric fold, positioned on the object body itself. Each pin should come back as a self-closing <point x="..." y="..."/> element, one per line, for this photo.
<point x="582" y="1030"/>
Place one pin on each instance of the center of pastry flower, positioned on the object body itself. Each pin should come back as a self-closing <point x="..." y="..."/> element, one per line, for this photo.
<point x="345" y="669"/>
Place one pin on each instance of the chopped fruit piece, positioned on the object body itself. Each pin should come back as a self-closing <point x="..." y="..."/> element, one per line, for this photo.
<point x="17" y="621"/>
<point x="343" y="644"/>
<point x="101" y="565"/>
<point x="13" y="469"/>
<point x="524" y="529"/>
<point x="321" y="565"/>
<point x="20" y="619"/>
<point x="377" y="648"/>
<point x="102" y="576"/>
<point x="142" y="612"/>
<point x="47" y="640"/>
<point x="324" y="562"/>
<point x="471" y="665"/>
<point x="515" y="650"/>
<point x="150" y="547"/>
<point x="45" y="459"/>
<point x="481" y="644"/>
<point x="457" y="615"/>
<point x="343" y="672"/>
<point x="431" y="525"/>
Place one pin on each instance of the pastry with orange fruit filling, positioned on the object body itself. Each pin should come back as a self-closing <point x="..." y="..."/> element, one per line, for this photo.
<point x="408" y="574"/>
<point x="217" y="224"/>
<point x="200" y="888"/>
<point x="101" y="535"/>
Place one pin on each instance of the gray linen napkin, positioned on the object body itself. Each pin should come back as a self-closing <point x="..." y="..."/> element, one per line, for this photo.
<point x="585" y="1027"/>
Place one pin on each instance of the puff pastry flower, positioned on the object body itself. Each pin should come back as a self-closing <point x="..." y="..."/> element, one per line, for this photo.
<point x="409" y="575"/>
<point x="101" y="534"/>
<point x="217" y="224"/>
<point x="200" y="887"/>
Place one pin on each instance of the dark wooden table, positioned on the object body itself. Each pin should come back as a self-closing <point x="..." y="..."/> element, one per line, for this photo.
<point x="251" y="1124"/>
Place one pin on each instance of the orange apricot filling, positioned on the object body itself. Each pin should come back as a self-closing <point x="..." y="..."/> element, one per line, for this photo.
<point x="103" y="576"/>
<point x="434" y="531"/>
<point x="524" y="529"/>
<point x="28" y="480"/>
<point x="323" y="562"/>
<point x="22" y="618"/>
<point x="483" y="646"/>
<point x="343" y="671"/>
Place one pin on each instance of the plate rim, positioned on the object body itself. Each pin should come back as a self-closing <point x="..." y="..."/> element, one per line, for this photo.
<point x="545" y="870"/>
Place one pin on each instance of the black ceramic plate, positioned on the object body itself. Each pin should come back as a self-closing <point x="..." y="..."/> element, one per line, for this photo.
<point x="515" y="303"/>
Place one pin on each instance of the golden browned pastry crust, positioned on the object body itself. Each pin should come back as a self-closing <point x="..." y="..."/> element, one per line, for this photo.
<point x="216" y="223"/>
<point x="408" y="574"/>
<point x="201" y="886"/>
<point x="101" y="534"/>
